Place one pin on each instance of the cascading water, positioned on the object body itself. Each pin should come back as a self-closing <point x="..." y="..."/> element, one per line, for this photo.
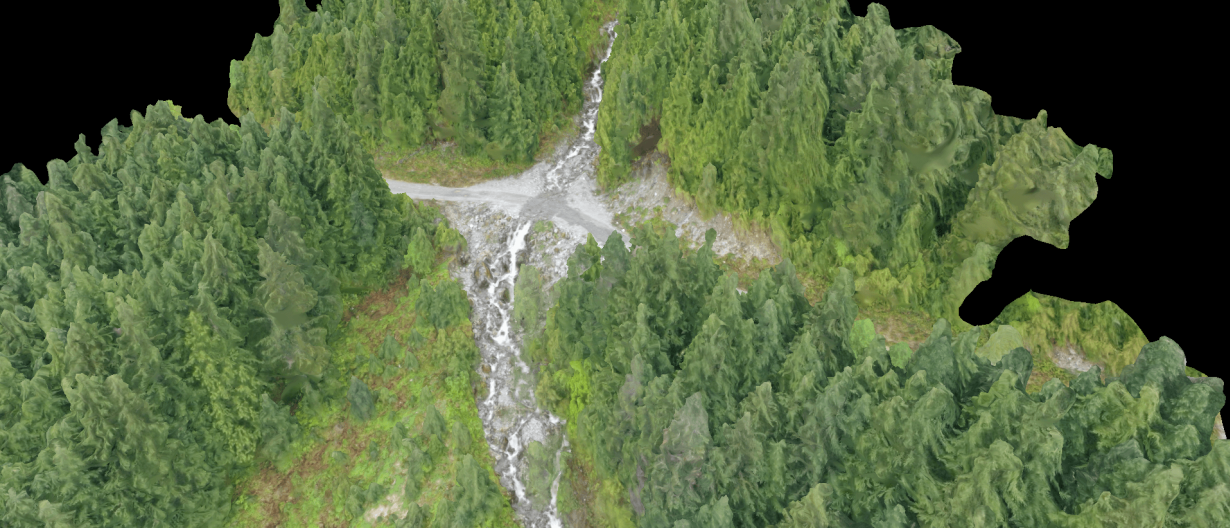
<point x="510" y="414"/>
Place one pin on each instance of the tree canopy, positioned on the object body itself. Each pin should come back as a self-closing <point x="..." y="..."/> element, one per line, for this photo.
<point x="710" y="407"/>
<point x="162" y="299"/>
<point x="490" y="75"/>
<point x="844" y="137"/>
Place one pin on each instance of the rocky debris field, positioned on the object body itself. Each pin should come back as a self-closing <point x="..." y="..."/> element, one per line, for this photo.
<point x="649" y="195"/>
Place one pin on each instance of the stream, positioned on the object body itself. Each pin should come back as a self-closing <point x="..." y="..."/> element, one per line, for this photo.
<point x="496" y="218"/>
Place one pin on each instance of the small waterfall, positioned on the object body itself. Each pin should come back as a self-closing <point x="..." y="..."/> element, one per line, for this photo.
<point x="510" y="414"/>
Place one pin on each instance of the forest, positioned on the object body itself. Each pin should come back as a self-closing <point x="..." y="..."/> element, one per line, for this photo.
<point x="844" y="137"/>
<point x="704" y="406"/>
<point x="168" y="301"/>
<point x="207" y="324"/>
<point x="489" y="76"/>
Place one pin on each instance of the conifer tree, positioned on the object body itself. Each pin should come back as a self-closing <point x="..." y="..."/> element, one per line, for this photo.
<point x="278" y="428"/>
<point x="476" y="496"/>
<point x="362" y="402"/>
<point x="512" y="134"/>
<point x="463" y="101"/>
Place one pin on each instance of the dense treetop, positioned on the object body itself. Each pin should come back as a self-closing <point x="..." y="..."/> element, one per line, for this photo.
<point x="707" y="407"/>
<point x="491" y="75"/>
<point x="157" y="293"/>
<point x="845" y="137"/>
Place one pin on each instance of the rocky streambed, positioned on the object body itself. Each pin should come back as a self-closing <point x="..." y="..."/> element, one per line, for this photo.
<point x="500" y="221"/>
<point x="497" y="218"/>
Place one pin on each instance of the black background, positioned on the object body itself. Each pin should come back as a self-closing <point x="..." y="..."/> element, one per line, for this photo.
<point x="1127" y="81"/>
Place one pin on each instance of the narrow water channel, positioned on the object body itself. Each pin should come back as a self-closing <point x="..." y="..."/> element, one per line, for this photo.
<point x="510" y="414"/>
<point x="498" y="244"/>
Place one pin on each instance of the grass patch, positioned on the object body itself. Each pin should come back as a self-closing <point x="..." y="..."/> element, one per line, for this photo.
<point x="1044" y="371"/>
<point x="586" y="500"/>
<point x="345" y="472"/>
<point x="442" y="164"/>
<point x="543" y="226"/>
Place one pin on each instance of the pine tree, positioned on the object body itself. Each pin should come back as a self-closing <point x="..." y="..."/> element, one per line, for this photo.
<point x="420" y="255"/>
<point x="476" y="496"/>
<point x="277" y="427"/>
<point x="286" y="300"/>
<point x="223" y="372"/>
<point x="512" y="134"/>
<point x="362" y="401"/>
<point x="463" y="102"/>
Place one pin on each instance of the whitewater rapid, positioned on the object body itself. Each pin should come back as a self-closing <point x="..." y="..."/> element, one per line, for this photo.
<point x="511" y="416"/>
<point x="496" y="217"/>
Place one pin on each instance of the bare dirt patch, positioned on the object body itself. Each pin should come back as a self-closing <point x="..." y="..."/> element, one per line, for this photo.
<point x="909" y="327"/>
<point x="584" y="493"/>
<point x="379" y="303"/>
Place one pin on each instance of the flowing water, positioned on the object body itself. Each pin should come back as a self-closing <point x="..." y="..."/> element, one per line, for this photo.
<point x="496" y="218"/>
<point x="510" y="415"/>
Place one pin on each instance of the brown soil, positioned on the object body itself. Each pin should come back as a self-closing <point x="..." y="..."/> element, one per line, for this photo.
<point x="274" y="488"/>
<point x="379" y="303"/>
<point x="584" y="491"/>
<point x="909" y="326"/>
<point x="650" y="134"/>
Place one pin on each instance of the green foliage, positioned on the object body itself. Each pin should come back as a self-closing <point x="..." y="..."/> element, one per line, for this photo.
<point x="444" y="304"/>
<point x="493" y="78"/>
<point x="1004" y="340"/>
<point x="420" y="256"/>
<point x="461" y="437"/>
<point x="900" y="354"/>
<point x="229" y="379"/>
<point x="361" y="400"/>
<point x="861" y="335"/>
<point x="541" y="470"/>
<point x="527" y="299"/>
<point x="713" y="408"/>
<point x="410" y="448"/>
<point x="449" y="239"/>
<point x="411" y="361"/>
<point x="476" y="496"/>
<point x="167" y="300"/>
<point x="277" y="427"/>
<point x="433" y="423"/>
<point x="842" y="136"/>
<point x="1103" y="332"/>
<point x="390" y="350"/>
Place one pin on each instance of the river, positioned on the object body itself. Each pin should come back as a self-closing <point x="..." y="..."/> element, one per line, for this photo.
<point x="496" y="217"/>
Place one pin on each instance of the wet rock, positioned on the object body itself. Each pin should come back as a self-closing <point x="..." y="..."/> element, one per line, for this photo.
<point x="523" y="256"/>
<point x="500" y="238"/>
